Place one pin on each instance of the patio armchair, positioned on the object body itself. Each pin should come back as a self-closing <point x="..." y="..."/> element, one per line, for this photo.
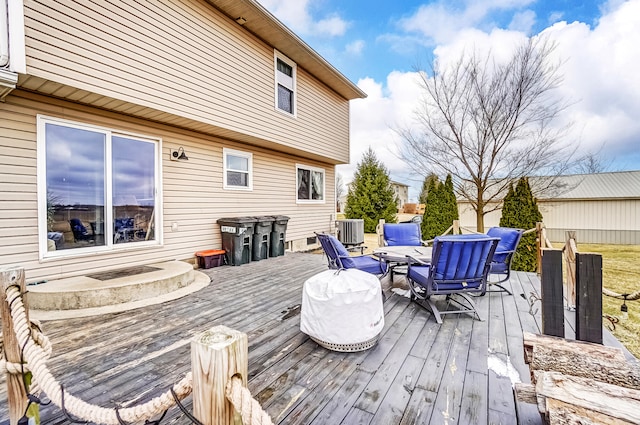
<point x="401" y="234"/>
<point x="459" y="266"/>
<point x="407" y="234"/>
<point x="80" y="232"/>
<point x="338" y="257"/>
<point x="501" y="264"/>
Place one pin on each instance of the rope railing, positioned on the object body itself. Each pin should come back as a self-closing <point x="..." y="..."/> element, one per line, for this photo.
<point x="570" y="250"/>
<point x="36" y="350"/>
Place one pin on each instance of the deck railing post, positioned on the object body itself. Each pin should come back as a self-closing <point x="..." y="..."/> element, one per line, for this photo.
<point x="16" y="394"/>
<point x="456" y="227"/>
<point x="552" y="297"/>
<point x="216" y="356"/>
<point x="380" y="231"/>
<point x="589" y="297"/>
<point x="539" y="246"/>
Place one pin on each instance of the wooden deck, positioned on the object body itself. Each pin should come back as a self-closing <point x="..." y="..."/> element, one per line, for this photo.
<point x="460" y="372"/>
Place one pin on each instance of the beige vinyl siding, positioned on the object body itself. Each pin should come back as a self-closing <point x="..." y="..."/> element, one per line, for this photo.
<point x="192" y="194"/>
<point x="184" y="58"/>
<point x="613" y="221"/>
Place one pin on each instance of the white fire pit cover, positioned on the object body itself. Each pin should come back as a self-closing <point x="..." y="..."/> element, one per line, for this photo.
<point x="342" y="309"/>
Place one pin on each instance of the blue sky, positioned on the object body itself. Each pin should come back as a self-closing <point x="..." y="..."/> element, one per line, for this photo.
<point x="378" y="45"/>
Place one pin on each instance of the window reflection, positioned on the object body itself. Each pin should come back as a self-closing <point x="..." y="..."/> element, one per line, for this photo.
<point x="75" y="170"/>
<point x="133" y="190"/>
<point x="80" y="211"/>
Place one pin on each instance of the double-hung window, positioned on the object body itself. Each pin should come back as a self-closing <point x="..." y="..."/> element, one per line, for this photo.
<point x="285" y="71"/>
<point x="97" y="188"/>
<point x="310" y="184"/>
<point x="238" y="170"/>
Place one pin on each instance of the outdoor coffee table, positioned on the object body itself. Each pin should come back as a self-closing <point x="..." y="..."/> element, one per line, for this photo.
<point x="396" y="255"/>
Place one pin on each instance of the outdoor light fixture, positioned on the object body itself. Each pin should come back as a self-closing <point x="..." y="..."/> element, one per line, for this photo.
<point x="179" y="154"/>
<point x="241" y="20"/>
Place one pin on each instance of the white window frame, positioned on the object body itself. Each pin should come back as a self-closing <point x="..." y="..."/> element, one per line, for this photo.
<point x="109" y="246"/>
<point x="324" y="184"/>
<point x="286" y="81"/>
<point x="232" y="152"/>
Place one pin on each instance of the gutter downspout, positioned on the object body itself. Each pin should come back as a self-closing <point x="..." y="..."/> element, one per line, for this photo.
<point x="4" y="34"/>
<point x="8" y="75"/>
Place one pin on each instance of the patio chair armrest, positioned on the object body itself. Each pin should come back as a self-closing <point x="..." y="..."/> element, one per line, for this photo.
<point x="360" y="248"/>
<point x="414" y="261"/>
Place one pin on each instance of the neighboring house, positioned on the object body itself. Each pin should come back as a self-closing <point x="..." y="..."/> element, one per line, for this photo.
<point x="128" y="129"/>
<point x="402" y="193"/>
<point x="601" y="208"/>
<point x="399" y="189"/>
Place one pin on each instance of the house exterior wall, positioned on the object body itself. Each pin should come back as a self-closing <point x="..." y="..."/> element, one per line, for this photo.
<point x="183" y="58"/>
<point x="402" y="194"/>
<point x="192" y="195"/>
<point x="607" y="221"/>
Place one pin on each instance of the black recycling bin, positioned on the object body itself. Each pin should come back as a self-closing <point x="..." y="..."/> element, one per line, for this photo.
<point x="278" y="235"/>
<point x="237" y="234"/>
<point x="261" y="237"/>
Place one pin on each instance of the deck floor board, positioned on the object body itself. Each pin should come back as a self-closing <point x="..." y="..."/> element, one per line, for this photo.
<point x="419" y="372"/>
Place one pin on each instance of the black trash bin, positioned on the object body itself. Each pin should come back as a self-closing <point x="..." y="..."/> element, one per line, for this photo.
<point x="261" y="237"/>
<point x="278" y="235"/>
<point x="237" y="234"/>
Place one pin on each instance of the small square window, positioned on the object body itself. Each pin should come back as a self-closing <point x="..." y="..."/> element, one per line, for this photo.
<point x="310" y="184"/>
<point x="285" y="82"/>
<point x="238" y="168"/>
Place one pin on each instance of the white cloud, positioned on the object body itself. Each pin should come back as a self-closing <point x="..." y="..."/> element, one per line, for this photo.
<point x="523" y="21"/>
<point x="296" y="14"/>
<point x="355" y="48"/>
<point x="600" y="78"/>
<point x="441" y="21"/>
<point x="600" y="74"/>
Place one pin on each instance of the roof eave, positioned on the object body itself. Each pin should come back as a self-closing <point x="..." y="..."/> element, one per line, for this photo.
<point x="261" y="23"/>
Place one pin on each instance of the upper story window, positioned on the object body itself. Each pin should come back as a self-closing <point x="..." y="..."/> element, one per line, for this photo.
<point x="285" y="84"/>
<point x="310" y="184"/>
<point x="238" y="169"/>
<point x="97" y="188"/>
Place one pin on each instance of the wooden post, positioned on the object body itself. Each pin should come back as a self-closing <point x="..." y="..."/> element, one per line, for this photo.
<point x="216" y="356"/>
<point x="570" y="250"/>
<point x="380" y="232"/>
<point x="589" y="297"/>
<point x="539" y="245"/>
<point x="552" y="298"/>
<point x="16" y="394"/>
<point x="456" y="227"/>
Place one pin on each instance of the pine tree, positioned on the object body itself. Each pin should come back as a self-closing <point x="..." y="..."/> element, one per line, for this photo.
<point x="371" y="196"/>
<point x="520" y="210"/>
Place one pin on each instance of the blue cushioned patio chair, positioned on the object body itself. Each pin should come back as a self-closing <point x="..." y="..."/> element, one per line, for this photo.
<point x="407" y="234"/>
<point x="80" y="232"/>
<point x="401" y="234"/>
<point x="459" y="267"/>
<point x="501" y="264"/>
<point x="339" y="258"/>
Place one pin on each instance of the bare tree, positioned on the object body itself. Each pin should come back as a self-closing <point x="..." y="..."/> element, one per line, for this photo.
<point x="488" y="124"/>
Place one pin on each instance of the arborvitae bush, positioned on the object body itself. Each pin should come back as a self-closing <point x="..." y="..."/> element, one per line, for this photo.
<point x="441" y="208"/>
<point x="520" y="210"/>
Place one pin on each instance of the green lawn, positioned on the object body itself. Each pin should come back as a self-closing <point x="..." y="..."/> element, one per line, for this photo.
<point x="621" y="274"/>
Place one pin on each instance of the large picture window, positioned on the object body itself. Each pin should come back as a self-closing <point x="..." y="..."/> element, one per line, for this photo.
<point x="310" y="184"/>
<point x="97" y="188"/>
<point x="285" y="70"/>
<point x="238" y="169"/>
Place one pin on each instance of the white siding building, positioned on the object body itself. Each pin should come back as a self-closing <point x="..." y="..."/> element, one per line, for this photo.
<point x="601" y="208"/>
